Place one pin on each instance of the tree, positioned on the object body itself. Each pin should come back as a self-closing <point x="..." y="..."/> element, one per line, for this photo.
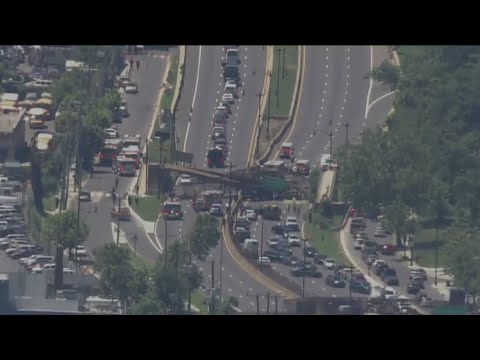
<point x="170" y="287"/>
<point x="61" y="229"/>
<point x="396" y="219"/>
<point x="117" y="271"/>
<point x="463" y="259"/>
<point x="204" y="235"/>
<point x="387" y="73"/>
<point x="227" y="307"/>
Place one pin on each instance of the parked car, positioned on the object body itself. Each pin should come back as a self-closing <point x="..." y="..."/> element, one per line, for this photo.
<point x="131" y="88"/>
<point x="310" y="251"/>
<point x="329" y="264"/>
<point x="388" y="272"/>
<point x="294" y="240"/>
<point x="388" y="249"/>
<point x="392" y="280"/>
<point x="305" y="271"/>
<point x="264" y="260"/>
<point x="413" y="289"/>
<point x="251" y="215"/>
<point x="278" y="229"/>
<point x="361" y="287"/>
<point x="335" y="281"/>
<point x="185" y="179"/>
<point x="319" y="258"/>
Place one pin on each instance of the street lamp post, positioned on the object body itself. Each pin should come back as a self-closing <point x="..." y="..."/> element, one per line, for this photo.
<point x="118" y="221"/>
<point x="283" y="66"/>
<point x="350" y="287"/>
<point x="436" y="255"/>
<point x="261" y="246"/>
<point x="346" y="125"/>
<point x="269" y="74"/>
<point x="278" y="78"/>
<point x="259" y="95"/>
<point x="410" y="244"/>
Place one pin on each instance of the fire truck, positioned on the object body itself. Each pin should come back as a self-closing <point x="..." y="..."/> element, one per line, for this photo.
<point x="172" y="210"/>
<point x="133" y="153"/>
<point x="110" y="150"/>
<point x="124" y="166"/>
<point x="286" y="151"/>
<point x="132" y="140"/>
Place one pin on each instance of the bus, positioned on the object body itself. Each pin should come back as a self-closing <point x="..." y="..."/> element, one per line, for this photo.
<point x="172" y="210"/>
<point x="216" y="158"/>
<point x="124" y="166"/>
<point x="111" y="148"/>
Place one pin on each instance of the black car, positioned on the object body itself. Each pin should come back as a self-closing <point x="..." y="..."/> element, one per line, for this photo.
<point x="388" y="272"/>
<point x="85" y="196"/>
<point x="273" y="255"/>
<point x="335" y="281"/>
<point x="285" y="249"/>
<point x="413" y="289"/>
<point x="360" y="287"/>
<point x="392" y="281"/>
<point x="310" y="251"/>
<point x="380" y="268"/>
<point x="278" y="229"/>
<point x="305" y="271"/>
<point x="318" y="258"/>
<point x="292" y="261"/>
<point x="418" y="282"/>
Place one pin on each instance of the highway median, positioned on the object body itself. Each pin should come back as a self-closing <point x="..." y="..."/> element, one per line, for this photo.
<point x="285" y="81"/>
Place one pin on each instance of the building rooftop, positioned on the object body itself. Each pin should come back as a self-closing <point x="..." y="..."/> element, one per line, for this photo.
<point x="9" y="120"/>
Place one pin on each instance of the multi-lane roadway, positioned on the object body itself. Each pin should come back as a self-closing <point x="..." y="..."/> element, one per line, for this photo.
<point x="204" y="74"/>
<point x="142" y="108"/>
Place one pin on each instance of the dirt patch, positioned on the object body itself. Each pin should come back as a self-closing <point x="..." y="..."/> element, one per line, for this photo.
<point x="276" y="125"/>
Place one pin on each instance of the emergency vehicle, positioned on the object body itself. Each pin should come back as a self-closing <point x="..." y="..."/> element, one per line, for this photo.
<point x="110" y="150"/>
<point x="131" y="140"/>
<point x="301" y="167"/>
<point x="133" y="153"/>
<point x="286" y="151"/>
<point x="124" y="166"/>
<point x="172" y="210"/>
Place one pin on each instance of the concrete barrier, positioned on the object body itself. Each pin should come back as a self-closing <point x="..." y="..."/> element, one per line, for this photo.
<point x="293" y="108"/>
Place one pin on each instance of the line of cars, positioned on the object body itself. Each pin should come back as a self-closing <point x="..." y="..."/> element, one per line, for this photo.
<point x="218" y="152"/>
<point x="380" y="267"/>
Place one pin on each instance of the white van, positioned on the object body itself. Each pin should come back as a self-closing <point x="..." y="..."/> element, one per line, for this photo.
<point x="250" y="246"/>
<point x="230" y="88"/>
<point x="41" y="83"/>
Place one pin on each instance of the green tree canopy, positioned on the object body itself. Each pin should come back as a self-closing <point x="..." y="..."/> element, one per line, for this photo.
<point x="204" y="235"/>
<point x="61" y="229"/>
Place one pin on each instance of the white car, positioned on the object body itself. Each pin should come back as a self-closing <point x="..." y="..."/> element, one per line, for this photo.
<point x="39" y="268"/>
<point x="81" y="250"/>
<point x="294" y="239"/>
<point x="228" y="97"/>
<point x="216" y="210"/>
<point x="131" y="88"/>
<point x="68" y="271"/>
<point x="250" y="215"/>
<point x="185" y="179"/>
<point x="111" y="133"/>
<point x="358" y="244"/>
<point x="264" y="260"/>
<point x="329" y="264"/>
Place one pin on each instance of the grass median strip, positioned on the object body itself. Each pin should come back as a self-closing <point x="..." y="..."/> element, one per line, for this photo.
<point x="424" y="248"/>
<point x="282" y="84"/>
<point x="49" y="203"/>
<point x="148" y="208"/>
<point x="199" y="301"/>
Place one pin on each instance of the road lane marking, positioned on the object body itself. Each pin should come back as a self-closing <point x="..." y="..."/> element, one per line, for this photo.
<point x="334" y="295"/>
<point x="251" y="303"/>
<point x="250" y="289"/>
<point x="324" y="289"/>
<point x="313" y="282"/>
<point x="230" y="290"/>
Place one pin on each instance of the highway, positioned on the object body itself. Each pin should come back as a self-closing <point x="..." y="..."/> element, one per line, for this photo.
<point x="141" y="107"/>
<point x="204" y="76"/>
<point x="334" y="92"/>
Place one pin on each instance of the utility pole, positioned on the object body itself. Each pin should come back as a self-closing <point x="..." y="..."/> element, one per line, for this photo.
<point x="166" y="240"/>
<point x="268" y="303"/>
<point x="79" y="172"/>
<point x="303" y="272"/>
<point x="258" y="305"/>
<point x="118" y="221"/>
<point x="230" y="189"/>
<point x="436" y="254"/>
<point x="350" y="287"/>
<point x="160" y="168"/>
<point x="190" y="267"/>
<point x="221" y="262"/>
<point x="269" y="74"/>
<point x="261" y="248"/>
<point x="213" y="288"/>
<point x="278" y="78"/>
<point x="330" y="135"/>
<point x="276" y="304"/>
<point x="259" y="95"/>
<point x="346" y="125"/>
<point x="283" y="67"/>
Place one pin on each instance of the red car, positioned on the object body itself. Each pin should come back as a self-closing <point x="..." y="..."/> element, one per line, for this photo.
<point x="388" y="249"/>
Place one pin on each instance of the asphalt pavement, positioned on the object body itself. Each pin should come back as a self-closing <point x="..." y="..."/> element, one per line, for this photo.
<point x="393" y="261"/>
<point x="205" y="75"/>
<point x="141" y="107"/>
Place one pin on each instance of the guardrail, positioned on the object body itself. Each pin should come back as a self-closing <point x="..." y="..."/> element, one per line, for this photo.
<point x="201" y="173"/>
<point x="326" y="185"/>
<point x="293" y="108"/>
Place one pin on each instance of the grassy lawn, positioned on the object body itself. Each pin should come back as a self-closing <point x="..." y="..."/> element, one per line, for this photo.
<point x="167" y="97"/>
<point x="49" y="203"/>
<point x="424" y="249"/>
<point x="198" y="301"/>
<point x="154" y="151"/>
<point x="281" y="100"/>
<point x="409" y="51"/>
<point x="330" y="245"/>
<point x="148" y="208"/>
